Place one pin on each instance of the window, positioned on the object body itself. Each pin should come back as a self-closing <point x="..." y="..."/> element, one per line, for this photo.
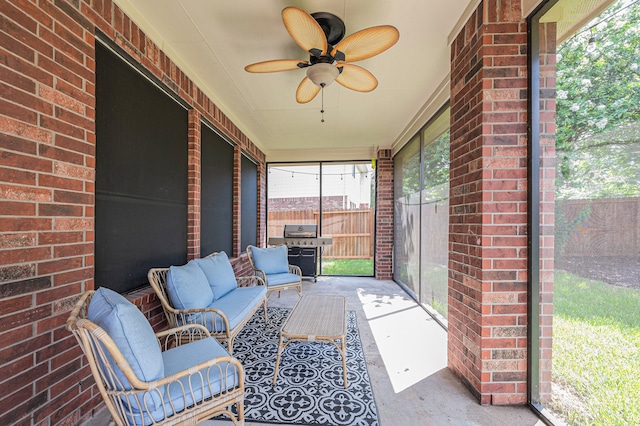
<point x="422" y="216"/>
<point x="585" y="212"/>
<point x="249" y="202"/>
<point x="406" y="259"/>
<point x="216" y="214"/>
<point x="141" y="175"/>
<point x="336" y="196"/>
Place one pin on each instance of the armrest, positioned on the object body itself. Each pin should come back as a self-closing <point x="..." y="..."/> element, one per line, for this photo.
<point x="260" y="273"/>
<point x="237" y="366"/>
<point x="200" y="316"/>
<point x="224" y="365"/>
<point x="250" y="281"/>
<point x="181" y="335"/>
<point x="294" y="269"/>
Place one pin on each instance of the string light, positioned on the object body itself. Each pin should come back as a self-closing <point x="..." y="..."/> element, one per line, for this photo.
<point x="591" y="46"/>
<point x="592" y="39"/>
<point x="293" y="173"/>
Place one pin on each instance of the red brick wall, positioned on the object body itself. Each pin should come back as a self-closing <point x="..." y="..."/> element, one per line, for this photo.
<point x="145" y="299"/>
<point x="237" y="211"/>
<point x="47" y="160"/>
<point x="194" y="176"/>
<point x="384" y="216"/>
<point x="488" y="209"/>
<point x="47" y="174"/>
<point x="262" y="205"/>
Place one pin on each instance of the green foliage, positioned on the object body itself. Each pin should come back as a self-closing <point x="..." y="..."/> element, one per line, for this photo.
<point x="596" y="351"/>
<point x="435" y="179"/>
<point x="363" y="267"/>
<point x="435" y="170"/>
<point x="598" y="107"/>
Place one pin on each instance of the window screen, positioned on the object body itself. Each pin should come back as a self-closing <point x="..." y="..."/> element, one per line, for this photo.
<point x="141" y="176"/>
<point x="249" y="203"/>
<point x="216" y="223"/>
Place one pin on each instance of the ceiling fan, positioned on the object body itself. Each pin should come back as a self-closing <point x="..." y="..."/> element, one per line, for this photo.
<point x="321" y="35"/>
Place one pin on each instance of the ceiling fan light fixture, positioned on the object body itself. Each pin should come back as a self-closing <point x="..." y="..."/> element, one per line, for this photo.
<point x="322" y="74"/>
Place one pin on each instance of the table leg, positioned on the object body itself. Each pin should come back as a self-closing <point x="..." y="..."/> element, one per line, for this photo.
<point x="343" y="341"/>
<point x="280" y="349"/>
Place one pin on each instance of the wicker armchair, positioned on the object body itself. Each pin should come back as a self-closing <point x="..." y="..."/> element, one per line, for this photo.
<point x="272" y="265"/>
<point x="223" y="324"/>
<point x="200" y="379"/>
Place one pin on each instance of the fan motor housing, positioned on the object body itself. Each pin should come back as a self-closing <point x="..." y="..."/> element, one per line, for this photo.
<point x="332" y="26"/>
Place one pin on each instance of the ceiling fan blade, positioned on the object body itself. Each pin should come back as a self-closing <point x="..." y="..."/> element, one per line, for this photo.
<point x="356" y="78"/>
<point x="276" y="65"/>
<point x="367" y="43"/>
<point x="306" y="91"/>
<point x="304" y="30"/>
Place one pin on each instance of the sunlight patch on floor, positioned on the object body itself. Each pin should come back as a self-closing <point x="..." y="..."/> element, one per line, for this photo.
<point x="412" y="345"/>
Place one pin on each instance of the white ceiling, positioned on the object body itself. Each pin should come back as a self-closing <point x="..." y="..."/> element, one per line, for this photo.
<point x="213" y="40"/>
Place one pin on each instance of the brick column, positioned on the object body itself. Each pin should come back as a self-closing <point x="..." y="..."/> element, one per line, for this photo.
<point x="487" y="345"/>
<point x="384" y="216"/>
<point x="237" y="208"/>
<point x="262" y="205"/>
<point x="194" y="185"/>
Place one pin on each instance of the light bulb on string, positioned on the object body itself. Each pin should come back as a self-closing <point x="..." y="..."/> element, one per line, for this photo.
<point x="591" y="45"/>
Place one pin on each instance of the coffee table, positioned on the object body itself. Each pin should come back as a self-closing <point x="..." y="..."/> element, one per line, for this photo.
<point x="316" y="318"/>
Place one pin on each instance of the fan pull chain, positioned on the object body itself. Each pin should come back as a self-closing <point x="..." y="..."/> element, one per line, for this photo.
<point x="322" y="95"/>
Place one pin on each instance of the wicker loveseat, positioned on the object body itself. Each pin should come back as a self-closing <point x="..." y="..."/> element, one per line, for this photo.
<point x="179" y="376"/>
<point x="206" y="292"/>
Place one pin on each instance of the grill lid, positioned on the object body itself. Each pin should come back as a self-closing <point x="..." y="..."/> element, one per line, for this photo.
<point x="301" y="231"/>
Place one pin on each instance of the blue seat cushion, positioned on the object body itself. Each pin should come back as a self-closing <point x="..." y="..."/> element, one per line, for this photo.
<point x="219" y="273"/>
<point x="283" y="278"/>
<point x="236" y="305"/>
<point x="188" y="286"/>
<point x="271" y="260"/>
<point x="132" y="334"/>
<point x="210" y="382"/>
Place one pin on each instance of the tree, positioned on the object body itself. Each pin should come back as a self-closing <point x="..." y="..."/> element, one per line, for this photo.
<point x="598" y="107"/>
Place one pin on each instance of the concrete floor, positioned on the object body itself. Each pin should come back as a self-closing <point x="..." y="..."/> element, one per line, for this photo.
<point x="406" y="355"/>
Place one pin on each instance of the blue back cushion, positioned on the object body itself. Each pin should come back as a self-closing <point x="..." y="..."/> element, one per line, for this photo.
<point x="219" y="273"/>
<point x="188" y="286"/>
<point x="131" y="333"/>
<point x="272" y="260"/>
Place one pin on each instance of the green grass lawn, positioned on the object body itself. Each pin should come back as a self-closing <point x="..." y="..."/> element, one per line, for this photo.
<point x="347" y="267"/>
<point x="596" y="352"/>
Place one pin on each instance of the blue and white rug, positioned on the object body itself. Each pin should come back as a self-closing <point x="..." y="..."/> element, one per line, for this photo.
<point x="310" y="389"/>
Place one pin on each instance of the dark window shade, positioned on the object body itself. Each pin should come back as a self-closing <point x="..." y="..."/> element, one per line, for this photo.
<point x="141" y="176"/>
<point x="249" y="203"/>
<point x="216" y="221"/>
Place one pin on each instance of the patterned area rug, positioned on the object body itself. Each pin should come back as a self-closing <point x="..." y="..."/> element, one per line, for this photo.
<point x="310" y="388"/>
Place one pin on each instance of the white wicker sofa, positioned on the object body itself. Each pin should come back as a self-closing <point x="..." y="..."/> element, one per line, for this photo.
<point x="207" y="292"/>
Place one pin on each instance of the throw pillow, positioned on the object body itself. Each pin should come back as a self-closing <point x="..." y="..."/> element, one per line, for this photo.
<point x="188" y="287"/>
<point x="219" y="273"/>
<point x="272" y="260"/>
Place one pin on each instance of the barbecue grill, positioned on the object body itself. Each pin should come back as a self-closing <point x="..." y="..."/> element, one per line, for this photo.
<point x="302" y="242"/>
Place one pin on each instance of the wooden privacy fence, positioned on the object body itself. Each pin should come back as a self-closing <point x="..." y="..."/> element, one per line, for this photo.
<point x="351" y="230"/>
<point x="608" y="227"/>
